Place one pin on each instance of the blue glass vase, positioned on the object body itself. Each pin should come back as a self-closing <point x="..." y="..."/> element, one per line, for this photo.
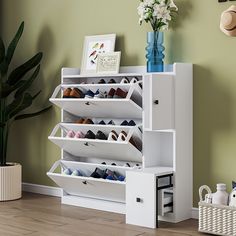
<point x="155" y="51"/>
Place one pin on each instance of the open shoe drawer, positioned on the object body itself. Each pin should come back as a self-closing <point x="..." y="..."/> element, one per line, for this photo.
<point x="165" y="204"/>
<point x="88" y="186"/>
<point x="104" y="149"/>
<point x="129" y="107"/>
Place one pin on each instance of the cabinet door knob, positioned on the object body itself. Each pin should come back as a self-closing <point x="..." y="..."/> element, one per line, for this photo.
<point x="138" y="199"/>
<point x="84" y="182"/>
<point x="87" y="103"/>
<point x="156" y="102"/>
<point x="86" y="144"/>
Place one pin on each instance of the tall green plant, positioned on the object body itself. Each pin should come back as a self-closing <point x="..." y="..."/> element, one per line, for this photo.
<point x="14" y="97"/>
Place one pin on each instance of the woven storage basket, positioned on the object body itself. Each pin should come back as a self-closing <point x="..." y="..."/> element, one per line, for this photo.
<point x="216" y="219"/>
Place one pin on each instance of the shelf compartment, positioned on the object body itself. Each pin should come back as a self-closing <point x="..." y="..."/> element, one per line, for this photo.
<point x="88" y="186"/>
<point x="129" y="107"/>
<point x="95" y="148"/>
<point x="165" y="204"/>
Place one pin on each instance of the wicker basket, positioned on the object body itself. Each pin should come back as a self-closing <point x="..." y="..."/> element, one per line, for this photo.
<point x="216" y="219"/>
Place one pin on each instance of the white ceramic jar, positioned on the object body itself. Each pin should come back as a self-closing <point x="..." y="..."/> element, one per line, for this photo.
<point x="220" y="197"/>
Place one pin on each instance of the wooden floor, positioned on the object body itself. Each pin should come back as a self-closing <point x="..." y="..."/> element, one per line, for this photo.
<point x="38" y="215"/>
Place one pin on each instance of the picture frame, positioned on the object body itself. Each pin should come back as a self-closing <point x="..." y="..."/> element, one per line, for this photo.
<point x="93" y="46"/>
<point x="108" y="63"/>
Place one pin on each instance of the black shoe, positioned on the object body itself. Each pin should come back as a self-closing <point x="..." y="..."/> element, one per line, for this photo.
<point x="102" y="122"/>
<point x="104" y="163"/>
<point x="113" y="164"/>
<point x="131" y="123"/>
<point x="112" y="81"/>
<point x="111" y="122"/>
<point x="98" y="173"/>
<point x="100" y="135"/>
<point x="90" y="135"/>
<point x="124" y="123"/>
<point x="101" y="81"/>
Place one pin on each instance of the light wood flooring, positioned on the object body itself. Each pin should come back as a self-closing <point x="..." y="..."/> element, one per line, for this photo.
<point x="38" y="215"/>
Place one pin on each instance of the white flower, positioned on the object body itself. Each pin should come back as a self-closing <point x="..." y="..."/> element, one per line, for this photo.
<point x="149" y="3"/>
<point x="157" y="12"/>
<point x="172" y="5"/>
<point x="162" y="12"/>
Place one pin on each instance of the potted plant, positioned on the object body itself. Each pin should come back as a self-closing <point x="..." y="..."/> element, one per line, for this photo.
<point x="14" y="99"/>
<point x="159" y="13"/>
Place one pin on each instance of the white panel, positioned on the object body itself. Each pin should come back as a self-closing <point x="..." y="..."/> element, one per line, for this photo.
<point x="140" y="185"/>
<point x="117" y="108"/>
<point x="88" y="186"/>
<point x="162" y="114"/>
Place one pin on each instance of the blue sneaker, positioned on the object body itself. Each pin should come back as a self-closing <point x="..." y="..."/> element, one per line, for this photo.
<point x="89" y="94"/>
<point x="67" y="171"/>
<point x="76" y="173"/>
<point x="110" y="177"/>
<point x="121" y="178"/>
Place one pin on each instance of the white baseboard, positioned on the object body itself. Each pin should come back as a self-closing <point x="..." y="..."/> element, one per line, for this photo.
<point x="195" y="213"/>
<point x="56" y="192"/>
<point x="41" y="189"/>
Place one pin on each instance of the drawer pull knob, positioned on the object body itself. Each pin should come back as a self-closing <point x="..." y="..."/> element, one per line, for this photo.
<point x="156" y="102"/>
<point x="86" y="144"/>
<point x="84" y="182"/>
<point x="138" y="199"/>
<point x="87" y="103"/>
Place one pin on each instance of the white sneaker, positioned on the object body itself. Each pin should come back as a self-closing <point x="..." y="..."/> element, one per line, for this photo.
<point x="124" y="81"/>
<point x="122" y="137"/>
<point x="113" y="136"/>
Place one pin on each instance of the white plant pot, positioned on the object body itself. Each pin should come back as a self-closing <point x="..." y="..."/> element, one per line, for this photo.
<point x="10" y="182"/>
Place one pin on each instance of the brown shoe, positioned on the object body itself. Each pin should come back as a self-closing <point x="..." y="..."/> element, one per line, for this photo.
<point x="120" y="93"/>
<point x="111" y="93"/>
<point x="76" y="93"/>
<point x="80" y="121"/>
<point x="66" y="93"/>
<point x="88" y="122"/>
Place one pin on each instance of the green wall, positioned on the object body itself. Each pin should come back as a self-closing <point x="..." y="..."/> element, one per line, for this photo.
<point x="58" y="27"/>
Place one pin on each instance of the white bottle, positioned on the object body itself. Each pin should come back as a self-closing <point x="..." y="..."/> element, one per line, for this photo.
<point x="221" y="196"/>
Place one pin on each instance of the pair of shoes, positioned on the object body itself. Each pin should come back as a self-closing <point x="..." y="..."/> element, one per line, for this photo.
<point x="84" y="121"/>
<point x="73" y="93"/>
<point x="97" y="94"/>
<point x="102" y="122"/>
<point x="75" y="172"/>
<point x="99" y="135"/>
<point x="126" y="123"/>
<point x="125" y="80"/>
<point x="118" y="93"/>
<point x="111" y="81"/>
<point x="106" y="174"/>
<point x="113" y="136"/>
<point x="72" y="134"/>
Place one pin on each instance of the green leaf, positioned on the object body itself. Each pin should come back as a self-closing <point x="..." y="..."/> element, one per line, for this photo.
<point x="6" y="89"/>
<point x="19" y="104"/>
<point x="13" y="44"/>
<point x="20" y="71"/>
<point x="25" y="116"/>
<point x="27" y="83"/>
<point x="2" y="51"/>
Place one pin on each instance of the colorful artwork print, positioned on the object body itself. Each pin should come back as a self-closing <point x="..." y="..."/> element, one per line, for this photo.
<point x="94" y="49"/>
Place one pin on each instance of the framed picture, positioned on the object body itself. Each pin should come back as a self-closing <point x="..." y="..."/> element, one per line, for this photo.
<point x="108" y="63"/>
<point x="94" y="46"/>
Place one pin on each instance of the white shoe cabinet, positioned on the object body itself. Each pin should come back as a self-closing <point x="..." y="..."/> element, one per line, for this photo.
<point x="161" y="106"/>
